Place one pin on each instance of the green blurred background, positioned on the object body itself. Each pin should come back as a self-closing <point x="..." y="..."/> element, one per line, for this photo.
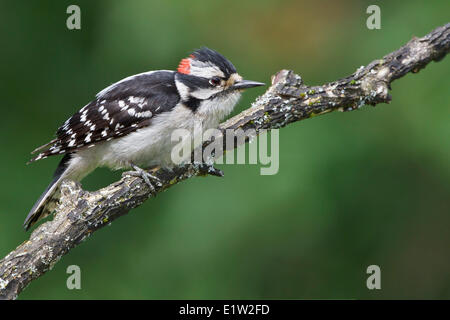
<point x="353" y="189"/>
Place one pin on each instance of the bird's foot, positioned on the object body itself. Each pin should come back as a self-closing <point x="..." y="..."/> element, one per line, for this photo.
<point x="208" y="169"/>
<point x="146" y="176"/>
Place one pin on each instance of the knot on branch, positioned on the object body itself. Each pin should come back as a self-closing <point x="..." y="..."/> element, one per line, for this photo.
<point x="286" y="83"/>
<point x="375" y="85"/>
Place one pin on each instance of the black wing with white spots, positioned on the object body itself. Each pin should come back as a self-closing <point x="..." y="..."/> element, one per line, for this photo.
<point x="120" y="109"/>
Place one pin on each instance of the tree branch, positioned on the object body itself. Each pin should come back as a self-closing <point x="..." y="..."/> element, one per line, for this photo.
<point x="80" y="213"/>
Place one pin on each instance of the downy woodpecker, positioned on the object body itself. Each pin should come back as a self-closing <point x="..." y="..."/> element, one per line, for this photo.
<point x="129" y="124"/>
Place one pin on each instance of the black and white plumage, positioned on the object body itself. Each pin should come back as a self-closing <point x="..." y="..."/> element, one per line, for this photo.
<point x="118" y="110"/>
<point x="129" y="124"/>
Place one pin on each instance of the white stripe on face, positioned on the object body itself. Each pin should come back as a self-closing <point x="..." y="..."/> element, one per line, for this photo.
<point x="204" y="94"/>
<point x="205" y="69"/>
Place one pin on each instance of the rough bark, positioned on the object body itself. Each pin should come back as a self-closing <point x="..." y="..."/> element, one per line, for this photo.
<point x="288" y="99"/>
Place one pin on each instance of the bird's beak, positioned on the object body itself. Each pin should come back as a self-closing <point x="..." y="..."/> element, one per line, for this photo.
<point x="245" y="84"/>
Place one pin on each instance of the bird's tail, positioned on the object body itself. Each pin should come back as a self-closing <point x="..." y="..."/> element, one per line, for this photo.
<point x="48" y="200"/>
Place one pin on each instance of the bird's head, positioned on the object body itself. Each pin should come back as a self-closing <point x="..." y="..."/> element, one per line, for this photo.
<point x="207" y="77"/>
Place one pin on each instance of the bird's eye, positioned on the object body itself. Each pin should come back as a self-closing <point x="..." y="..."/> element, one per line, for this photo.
<point x="216" y="81"/>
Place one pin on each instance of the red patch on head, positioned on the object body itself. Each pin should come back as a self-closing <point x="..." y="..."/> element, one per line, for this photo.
<point x="184" y="66"/>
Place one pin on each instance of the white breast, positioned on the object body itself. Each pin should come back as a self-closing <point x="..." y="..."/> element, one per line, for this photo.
<point x="150" y="145"/>
<point x="214" y="111"/>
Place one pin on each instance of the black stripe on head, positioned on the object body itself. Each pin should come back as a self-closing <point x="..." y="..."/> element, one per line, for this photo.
<point x="193" y="82"/>
<point x="208" y="55"/>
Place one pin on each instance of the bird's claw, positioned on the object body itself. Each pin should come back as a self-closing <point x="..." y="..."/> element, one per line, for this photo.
<point x="209" y="169"/>
<point x="146" y="176"/>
